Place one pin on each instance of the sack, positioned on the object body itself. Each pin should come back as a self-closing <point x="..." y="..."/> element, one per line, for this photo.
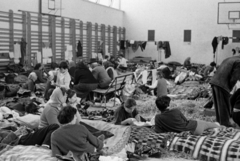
<point x="15" y="68"/>
<point x="181" y="77"/>
<point x="21" y="79"/>
<point x="9" y="79"/>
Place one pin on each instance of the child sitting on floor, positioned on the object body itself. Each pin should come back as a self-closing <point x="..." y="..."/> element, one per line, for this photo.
<point x="125" y="112"/>
<point x="172" y="120"/>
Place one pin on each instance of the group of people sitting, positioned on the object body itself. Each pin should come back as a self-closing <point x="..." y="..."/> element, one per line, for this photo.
<point x="82" y="77"/>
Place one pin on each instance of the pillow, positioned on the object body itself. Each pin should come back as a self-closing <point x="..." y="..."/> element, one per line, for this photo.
<point x="29" y="120"/>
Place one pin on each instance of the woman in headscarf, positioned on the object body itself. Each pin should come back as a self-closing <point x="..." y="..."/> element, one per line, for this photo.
<point x="187" y="63"/>
<point x="30" y="84"/>
<point x="84" y="81"/>
<point x="54" y="105"/>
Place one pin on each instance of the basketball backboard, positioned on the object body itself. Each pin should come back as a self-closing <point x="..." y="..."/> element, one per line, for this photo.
<point x="52" y="7"/>
<point x="228" y="13"/>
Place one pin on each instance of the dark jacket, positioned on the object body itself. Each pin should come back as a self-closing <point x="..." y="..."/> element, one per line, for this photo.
<point x="83" y="75"/>
<point x="227" y="74"/>
<point x="235" y="100"/>
<point x="39" y="74"/>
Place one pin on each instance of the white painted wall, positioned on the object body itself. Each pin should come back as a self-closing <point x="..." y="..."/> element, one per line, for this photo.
<point x="169" y="18"/>
<point x="79" y="9"/>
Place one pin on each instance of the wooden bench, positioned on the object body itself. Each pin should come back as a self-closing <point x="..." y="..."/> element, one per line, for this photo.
<point x="115" y="87"/>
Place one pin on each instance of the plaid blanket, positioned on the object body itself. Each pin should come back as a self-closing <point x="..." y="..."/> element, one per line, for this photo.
<point x="26" y="153"/>
<point x="213" y="145"/>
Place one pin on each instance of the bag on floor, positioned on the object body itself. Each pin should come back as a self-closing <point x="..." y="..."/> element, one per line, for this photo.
<point x="21" y="79"/>
<point x="9" y="79"/>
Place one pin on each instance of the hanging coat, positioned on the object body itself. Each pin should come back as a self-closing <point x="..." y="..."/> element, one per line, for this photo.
<point x="23" y="45"/>
<point x="214" y="44"/>
<point x="79" y="49"/>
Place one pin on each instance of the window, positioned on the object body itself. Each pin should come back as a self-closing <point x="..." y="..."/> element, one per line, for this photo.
<point x="236" y="33"/>
<point x="187" y="36"/>
<point x="110" y="3"/>
<point x="151" y="35"/>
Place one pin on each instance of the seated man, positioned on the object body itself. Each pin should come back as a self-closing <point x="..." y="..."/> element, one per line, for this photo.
<point x="100" y="74"/>
<point x="73" y="137"/>
<point x="172" y="120"/>
<point x="209" y="69"/>
<point x="126" y="111"/>
<point x="122" y="62"/>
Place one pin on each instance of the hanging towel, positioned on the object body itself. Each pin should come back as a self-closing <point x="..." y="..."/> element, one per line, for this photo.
<point x="79" y="49"/>
<point x="17" y="51"/>
<point x="135" y="46"/>
<point x="214" y="44"/>
<point x="224" y="41"/>
<point x="132" y="41"/>
<point x="143" y="45"/>
<point x="47" y="52"/>
<point x="23" y="45"/>
<point x="159" y="45"/>
<point x="39" y="57"/>
<point x="166" y="47"/>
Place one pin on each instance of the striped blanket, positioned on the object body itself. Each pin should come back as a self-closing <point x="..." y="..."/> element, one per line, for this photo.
<point x="213" y="145"/>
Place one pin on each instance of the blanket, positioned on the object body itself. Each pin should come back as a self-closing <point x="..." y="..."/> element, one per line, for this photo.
<point x="220" y="144"/>
<point x="213" y="145"/>
<point x="26" y="153"/>
<point x="117" y="142"/>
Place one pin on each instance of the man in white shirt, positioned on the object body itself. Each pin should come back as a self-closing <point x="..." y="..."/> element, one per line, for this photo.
<point x="122" y="62"/>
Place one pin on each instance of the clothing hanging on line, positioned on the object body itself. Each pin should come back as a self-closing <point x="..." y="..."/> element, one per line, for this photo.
<point x="143" y="45"/>
<point x="79" y="49"/>
<point x="166" y="46"/>
<point x="23" y="45"/>
<point x="17" y="51"/>
<point x="135" y="46"/>
<point x="224" y="41"/>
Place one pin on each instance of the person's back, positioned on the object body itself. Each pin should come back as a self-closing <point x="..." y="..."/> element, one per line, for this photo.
<point x="48" y="116"/>
<point x="227" y="74"/>
<point x="173" y="121"/>
<point x="72" y="136"/>
<point x="102" y="76"/>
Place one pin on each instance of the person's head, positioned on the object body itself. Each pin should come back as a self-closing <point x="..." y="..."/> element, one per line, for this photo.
<point x="38" y="66"/>
<point x="71" y="96"/>
<point x="188" y="58"/>
<point x="32" y="108"/>
<point x="33" y="76"/>
<point x="130" y="105"/>
<point x="162" y="102"/>
<point x="63" y="67"/>
<point x="54" y="66"/>
<point x="160" y="74"/>
<point x="94" y="64"/>
<point x="67" y="115"/>
<point x="72" y="64"/>
<point x="213" y="64"/>
<point x="106" y="57"/>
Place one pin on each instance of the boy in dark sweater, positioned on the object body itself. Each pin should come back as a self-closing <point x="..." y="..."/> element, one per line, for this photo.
<point x="172" y="120"/>
<point x="73" y="137"/>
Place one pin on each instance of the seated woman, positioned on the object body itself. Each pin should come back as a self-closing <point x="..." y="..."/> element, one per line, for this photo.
<point x="172" y="120"/>
<point x="187" y="63"/>
<point x="84" y="81"/>
<point x="54" y="105"/>
<point x="73" y="137"/>
<point x="21" y="136"/>
<point x="52" y="77"/>
<point x="209" y="69"/>
<point x="63" y="77"/>
<point x="126" y="111"/>
<point x="30" y="84"/>
<point x="73" y="101"/>
<point x="38" y="69"/>
<point x="160" y="85"/>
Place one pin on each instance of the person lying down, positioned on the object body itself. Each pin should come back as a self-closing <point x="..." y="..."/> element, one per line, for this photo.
<point x="169" y="120"/>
